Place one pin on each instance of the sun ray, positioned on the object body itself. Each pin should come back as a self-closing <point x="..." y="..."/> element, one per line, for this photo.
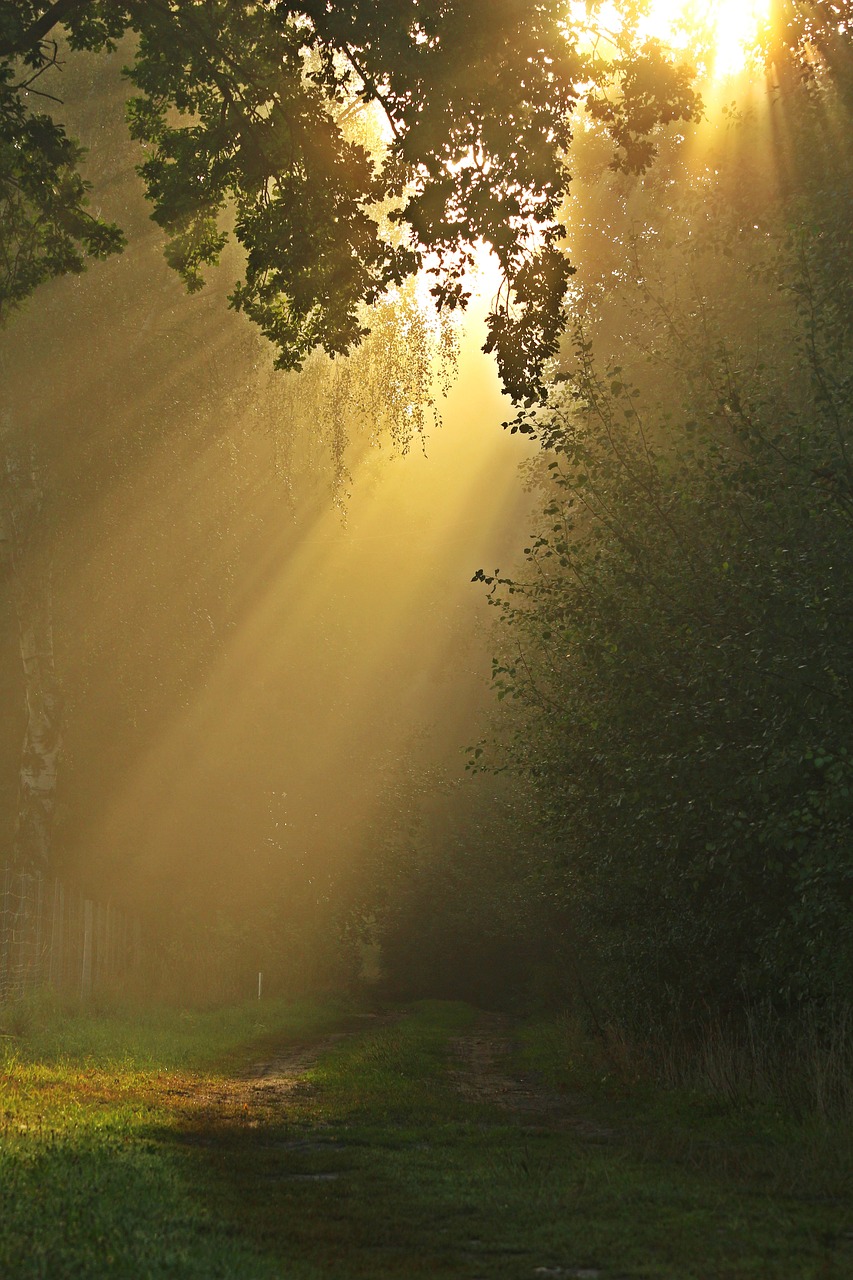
<point x="726" y="32"/>
<point x="722" y="37"/>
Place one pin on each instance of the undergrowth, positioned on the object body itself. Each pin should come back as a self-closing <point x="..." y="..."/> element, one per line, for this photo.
<point x="772" y="1100"/>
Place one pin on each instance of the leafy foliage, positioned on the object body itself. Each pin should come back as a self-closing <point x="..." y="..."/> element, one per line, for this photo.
<point x="445" y="892"/>
<point x="46" y="229"/>
<point x="677" y="655"/>
<point x="246" y="114"/>
<point x="383" y="392"/>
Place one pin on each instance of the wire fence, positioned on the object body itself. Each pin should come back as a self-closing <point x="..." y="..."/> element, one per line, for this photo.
<point x="52" y="935"/>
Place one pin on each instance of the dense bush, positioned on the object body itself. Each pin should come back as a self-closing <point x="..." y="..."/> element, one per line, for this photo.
<point x="676" y="656"/>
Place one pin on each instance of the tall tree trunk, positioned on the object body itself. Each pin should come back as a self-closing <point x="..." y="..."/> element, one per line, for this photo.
<point x="30" y="577"/>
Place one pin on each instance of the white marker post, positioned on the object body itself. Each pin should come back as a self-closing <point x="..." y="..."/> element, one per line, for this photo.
<point x="260" y="984"/>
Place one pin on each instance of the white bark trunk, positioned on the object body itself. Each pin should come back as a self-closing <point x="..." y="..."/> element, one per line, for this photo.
<point x="32" y="592"/>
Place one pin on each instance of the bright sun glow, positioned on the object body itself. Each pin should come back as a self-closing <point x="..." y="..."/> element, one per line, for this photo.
<point x="729" y="28"/>
<point x="727" y="31"/>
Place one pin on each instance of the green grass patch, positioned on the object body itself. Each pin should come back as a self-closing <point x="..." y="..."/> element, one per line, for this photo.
<point x="385" y="1170"/>
<point x="90" y="1184"/>
<point x="396" y="1075"/>
<point x="754" y="1136"/>
<point x="126" y="1150"/>
<point x="46" y="1030"/>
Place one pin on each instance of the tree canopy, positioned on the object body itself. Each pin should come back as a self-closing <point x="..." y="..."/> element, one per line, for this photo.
<point x="675" y="655"/>
<point x="246" y="113"/>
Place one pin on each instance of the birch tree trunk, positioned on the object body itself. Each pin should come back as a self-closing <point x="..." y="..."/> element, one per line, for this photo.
<point x="31" y="588"/>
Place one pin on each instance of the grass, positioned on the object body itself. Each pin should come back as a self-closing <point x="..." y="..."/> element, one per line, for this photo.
<point x="777" y="1110"/>
<point x="90" y="1184"/>
<point x="127" y="1151"/>
<point x="45" y="1030"/>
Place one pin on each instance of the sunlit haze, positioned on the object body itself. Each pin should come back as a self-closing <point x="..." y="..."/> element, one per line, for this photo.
<point x="249" y="655"/>
<point x="730" y="27"/>
<point x="725" y="32"/>
<point x="426" y="671"/>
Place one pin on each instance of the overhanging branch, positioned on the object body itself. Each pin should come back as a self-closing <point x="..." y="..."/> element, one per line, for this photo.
<point x="35" y="33"/>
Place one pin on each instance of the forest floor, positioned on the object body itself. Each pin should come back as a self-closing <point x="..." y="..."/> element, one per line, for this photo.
<point x="435" y="1141"/>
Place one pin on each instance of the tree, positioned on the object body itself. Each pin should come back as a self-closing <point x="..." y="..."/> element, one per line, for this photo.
<point x="447" y="889"/>
<point x="246" y="109"/>
<point x="677" y="656"/>
<point x="21" y="499"/>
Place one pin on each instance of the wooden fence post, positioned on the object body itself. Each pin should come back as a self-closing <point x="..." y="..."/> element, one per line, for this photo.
<point x="38" y="967"/>
<point x="109" y="959"/>
<point x="55" y="968"/>
<point x="18" y="949"/>
<point x="88" y="923"/>
<point x="5" y="933"/>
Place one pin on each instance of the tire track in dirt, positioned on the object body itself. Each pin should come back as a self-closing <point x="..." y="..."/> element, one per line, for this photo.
<point x="257" y="1095"/>
<point x="284" y="1073"/>
<point x="480" y="1073"/>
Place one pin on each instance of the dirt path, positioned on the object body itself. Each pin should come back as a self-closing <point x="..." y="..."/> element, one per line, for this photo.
<point x="259" y="1094"/>
<point x="479" y="1067"/>
<point x="283" y="1074"/>
<point x="481" y="1074"/>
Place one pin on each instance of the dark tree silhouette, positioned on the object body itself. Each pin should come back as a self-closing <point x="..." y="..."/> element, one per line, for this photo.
<point x="245" y="111"/>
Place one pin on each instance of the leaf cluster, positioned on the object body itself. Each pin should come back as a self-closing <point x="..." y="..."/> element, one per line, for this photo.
<point x="244" y="110"/>
<point x="46" y="228"/>
<point x="676" y="659"/>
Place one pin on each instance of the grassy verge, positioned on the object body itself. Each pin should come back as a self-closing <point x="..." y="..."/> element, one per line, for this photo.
<point x="117" y="1160"/>
<point x="706" y="1110"/>
<point x="90" y="1184"/>
<point x="48" y="1031"/>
